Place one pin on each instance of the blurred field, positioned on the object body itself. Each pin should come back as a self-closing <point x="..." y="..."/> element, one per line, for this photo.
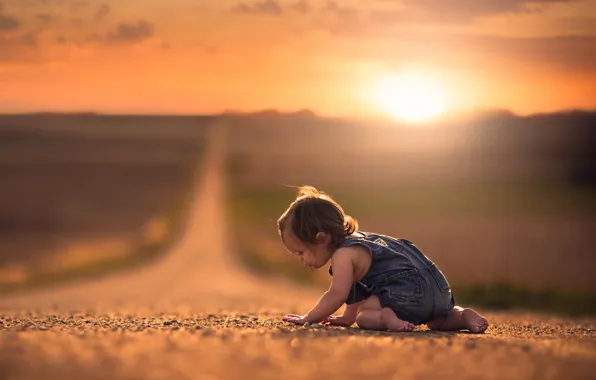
<point x="83" y="193"/>
<point x="504" y="205"/>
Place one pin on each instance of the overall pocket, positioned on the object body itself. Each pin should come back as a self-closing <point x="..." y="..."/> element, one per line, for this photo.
<point x="439" y="278"/>
<point x="405" y="287"/>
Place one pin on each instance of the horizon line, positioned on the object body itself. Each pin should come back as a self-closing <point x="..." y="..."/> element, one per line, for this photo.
<point x="304" y="111"/>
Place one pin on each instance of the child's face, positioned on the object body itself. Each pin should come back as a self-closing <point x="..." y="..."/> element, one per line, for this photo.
<point x="312" y="255"/>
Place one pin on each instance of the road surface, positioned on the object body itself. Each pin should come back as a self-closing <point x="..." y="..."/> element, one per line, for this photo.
<point x="197" y="314"/>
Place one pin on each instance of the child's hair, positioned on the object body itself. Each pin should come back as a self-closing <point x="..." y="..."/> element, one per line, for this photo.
<point x="314" y="211"/>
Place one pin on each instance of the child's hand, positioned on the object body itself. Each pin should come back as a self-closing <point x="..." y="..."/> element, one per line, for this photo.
<point x="340" y="320"/>
<point x="295" y="318"/>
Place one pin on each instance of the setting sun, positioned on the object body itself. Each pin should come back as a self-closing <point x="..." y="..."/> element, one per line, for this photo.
<point x="410" y="97"/>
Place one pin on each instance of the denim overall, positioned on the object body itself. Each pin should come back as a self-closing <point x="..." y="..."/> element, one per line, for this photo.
<point x="403" y="279"/>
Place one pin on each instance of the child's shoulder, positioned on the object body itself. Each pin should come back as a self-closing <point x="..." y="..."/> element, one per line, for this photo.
<point x="362" y="241"/>
<point x="369" y="237"/>
<point x="351" y="247"/>
<point x="350" y="255"/>
<point x="374" y="242"/>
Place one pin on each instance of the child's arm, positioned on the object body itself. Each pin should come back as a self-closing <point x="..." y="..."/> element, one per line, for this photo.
<point x="334" y="298"/>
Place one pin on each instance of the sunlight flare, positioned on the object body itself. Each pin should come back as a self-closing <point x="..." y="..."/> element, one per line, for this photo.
<point x="410" y="97"/>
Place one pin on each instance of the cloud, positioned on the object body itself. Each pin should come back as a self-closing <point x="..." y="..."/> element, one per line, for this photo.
<point x="27" y="39"/>
<point x="8" y="23"/>
<point x="481" y="52"/>
<point x="465" y="10"/>
<point x="344" y="12"/>
<point x="102" y="12"/>
<point x="46" y="18"/>
<point x="581" y="24"/>
<point x="388" y="13"/>
<point x="567" y="52"/>
<point x="76" y="6"/>
<point x="263" y="7"/>
<point x="342" y="20"/>
<point x="19" y="48"/>
<point x="132" y="32"/>
<point x="94" y="37"/>
<point x="124" y="33"/>
<point x="302" y="6"/>
<point x="381" y="16"/>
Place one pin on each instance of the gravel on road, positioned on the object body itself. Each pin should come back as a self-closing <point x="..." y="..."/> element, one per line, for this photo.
<point x="249" y="345"/>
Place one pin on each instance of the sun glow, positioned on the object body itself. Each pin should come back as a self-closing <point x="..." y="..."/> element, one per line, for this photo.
<point x="410" y="97"/>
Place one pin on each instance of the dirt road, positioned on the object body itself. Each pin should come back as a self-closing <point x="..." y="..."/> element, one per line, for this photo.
<point x="197" y="314"/>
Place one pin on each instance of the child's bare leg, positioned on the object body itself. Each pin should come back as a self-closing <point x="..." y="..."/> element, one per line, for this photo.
<point x="372" y="316"/>
<point x="460" y="319"/>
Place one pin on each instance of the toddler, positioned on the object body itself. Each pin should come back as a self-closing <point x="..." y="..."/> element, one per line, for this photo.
<point x="386" y="283"/>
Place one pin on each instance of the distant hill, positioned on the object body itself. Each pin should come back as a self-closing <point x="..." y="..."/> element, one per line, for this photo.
<point x="273" y="113"/>
<point x="562" y="142"/>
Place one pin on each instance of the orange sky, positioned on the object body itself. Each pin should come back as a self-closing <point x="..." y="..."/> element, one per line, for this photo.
<point x="191" y="56"/>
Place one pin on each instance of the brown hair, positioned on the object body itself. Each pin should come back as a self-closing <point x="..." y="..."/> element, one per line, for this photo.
<point x="312" y="212"/>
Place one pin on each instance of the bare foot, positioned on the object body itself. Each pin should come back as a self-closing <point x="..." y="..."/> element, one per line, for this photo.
<point x="393" y="323"/>
<point x="474" y="321"/>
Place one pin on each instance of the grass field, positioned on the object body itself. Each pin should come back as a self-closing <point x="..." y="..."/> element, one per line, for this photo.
<point x="82" y="194"/>
<point x="506" y="224"/>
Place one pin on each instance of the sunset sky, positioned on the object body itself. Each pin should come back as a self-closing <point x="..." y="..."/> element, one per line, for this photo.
<point x="207" y="56"/>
